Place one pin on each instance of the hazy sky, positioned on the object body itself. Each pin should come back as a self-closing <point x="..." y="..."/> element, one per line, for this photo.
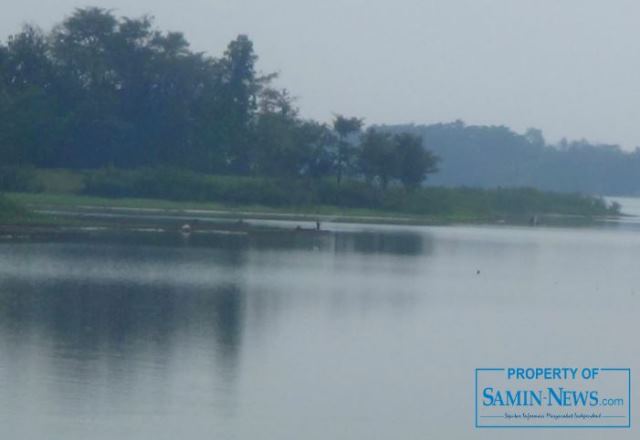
<point x="569" y="67"/>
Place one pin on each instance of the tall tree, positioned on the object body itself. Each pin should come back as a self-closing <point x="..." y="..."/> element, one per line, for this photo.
<point x="31" y="119"/>
<point x="378" y="157"/>
<point x="285" y="145"/>
<point x="240" y="90"/>
<point x="82" y="47"/>
<point x="345" y="127"/>
<point x="414" y="161"/>
<point x="275" y="149"/>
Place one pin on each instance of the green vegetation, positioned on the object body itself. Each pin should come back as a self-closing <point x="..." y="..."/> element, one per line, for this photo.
<point x="11" y="211"/>
<point x="182" y="185"/>
<point x="99" y="91"/>
<point x="511" y="159"/>
<point x="59" y="181"/>
<point x="22" y="179"/>
<point x="73" y="202"/>
<point x="111" y="107"/>
<point x="174" y="189"/>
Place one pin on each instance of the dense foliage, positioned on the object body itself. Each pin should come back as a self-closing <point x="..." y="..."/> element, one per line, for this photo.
<point x="11" y="211"/>
<point x="462" y="203"/>
<point x="18" y="179"/>
<point x="114" y="94"/>
<point x="99" y="91"/>
<point x="496" y="156"/>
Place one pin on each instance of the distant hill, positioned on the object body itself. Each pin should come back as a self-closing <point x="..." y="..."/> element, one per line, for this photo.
<point x="491" y="156"/>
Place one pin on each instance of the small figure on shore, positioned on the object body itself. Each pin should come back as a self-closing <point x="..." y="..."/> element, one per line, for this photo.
<point x="317" y="225"/>
<point x="533" y="221"/>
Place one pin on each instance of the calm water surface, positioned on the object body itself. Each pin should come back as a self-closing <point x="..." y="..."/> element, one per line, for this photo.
<point x="366" y="332"/>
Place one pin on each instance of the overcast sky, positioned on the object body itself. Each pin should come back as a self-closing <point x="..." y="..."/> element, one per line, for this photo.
<point x="569" y="67"/>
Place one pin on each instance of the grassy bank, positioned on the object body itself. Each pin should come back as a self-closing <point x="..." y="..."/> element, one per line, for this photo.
<point x="168" y="189"/>
<point x="63" y="202"/>
<point x="12" y="211"/>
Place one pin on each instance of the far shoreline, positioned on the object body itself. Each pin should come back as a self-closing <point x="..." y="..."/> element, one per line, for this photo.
<point x="53" y="213"/>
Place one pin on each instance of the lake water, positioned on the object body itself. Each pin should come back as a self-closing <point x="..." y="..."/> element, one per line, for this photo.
<point x="364" y="332"/>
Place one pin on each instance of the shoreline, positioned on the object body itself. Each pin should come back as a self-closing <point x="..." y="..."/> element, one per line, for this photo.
<point x="53" y="213"/>
<point x="57" y="207"/>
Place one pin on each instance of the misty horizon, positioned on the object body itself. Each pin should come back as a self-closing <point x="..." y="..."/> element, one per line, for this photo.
<point x="486" y="63"/>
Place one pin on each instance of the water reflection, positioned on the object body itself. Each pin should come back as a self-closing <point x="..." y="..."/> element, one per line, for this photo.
<point x="111" y="312"/>
<point x="363" y="332"/>
<point x="399" y="243"/>
<point x="362" y="242"/>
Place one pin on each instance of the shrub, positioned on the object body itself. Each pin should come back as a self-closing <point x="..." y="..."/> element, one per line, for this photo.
<point x="182" y="185"/>
<point x="9" y="210"/>
<point x="18" y="179"/>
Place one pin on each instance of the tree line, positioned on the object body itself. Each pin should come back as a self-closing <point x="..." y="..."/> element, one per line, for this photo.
<point x="496" y="156"/>
<point x="101" y="91"/>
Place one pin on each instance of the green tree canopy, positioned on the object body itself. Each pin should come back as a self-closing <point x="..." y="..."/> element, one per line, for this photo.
<point x="105" y="91"/>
